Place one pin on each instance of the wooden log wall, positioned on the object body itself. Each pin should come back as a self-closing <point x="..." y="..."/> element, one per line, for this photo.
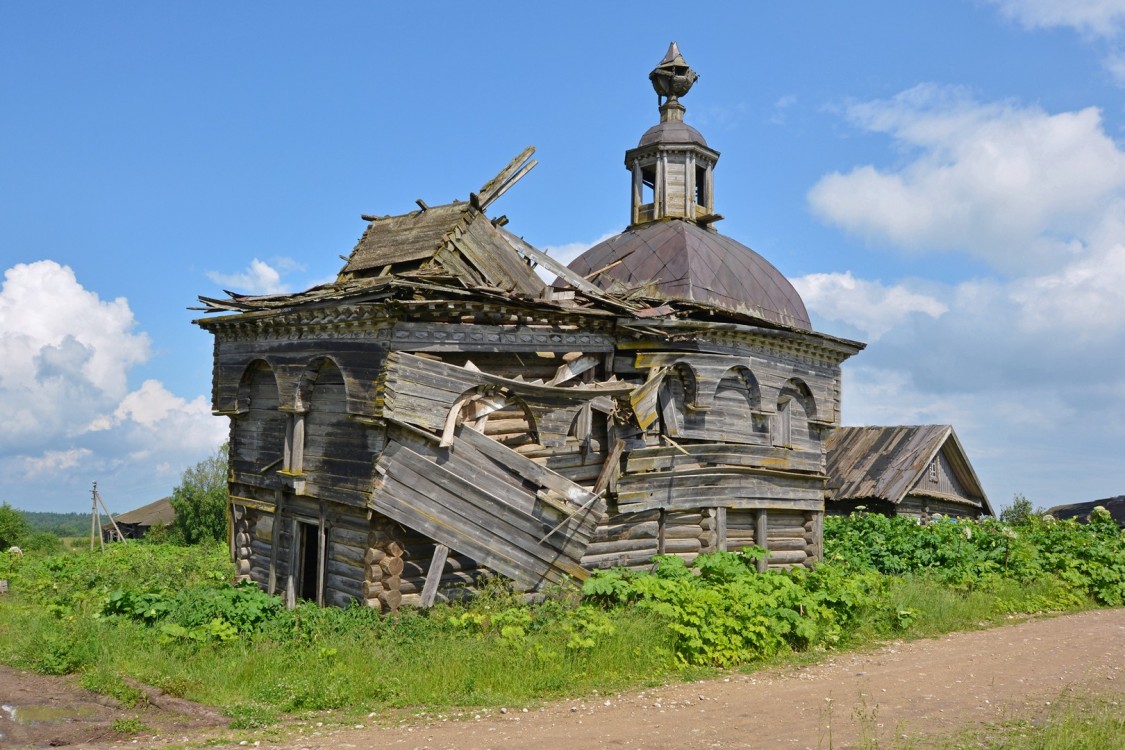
<point x="244" y="519"/>
<point x="792" y="537"/>
<point x="625" y="540"/>
<point x="924" y="507"/>
<point x="258" y="435"/>
<point x="338" y="457"/>
<point x="788" y="538"/>
<point x="345" y="572"/>
<point x="706" y="490"/>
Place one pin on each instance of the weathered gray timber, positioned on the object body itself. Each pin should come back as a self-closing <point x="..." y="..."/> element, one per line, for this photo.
<point x="439" y="414"/>
<point x="918" y="471"/>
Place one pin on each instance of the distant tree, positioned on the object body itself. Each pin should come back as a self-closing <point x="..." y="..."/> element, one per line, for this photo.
<point x="13" y="527"/>
<point x="1019" y="512"/>
<point x="200" y="501"/>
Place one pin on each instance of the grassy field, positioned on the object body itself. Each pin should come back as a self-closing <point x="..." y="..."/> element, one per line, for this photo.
<point x="166" y="616"/>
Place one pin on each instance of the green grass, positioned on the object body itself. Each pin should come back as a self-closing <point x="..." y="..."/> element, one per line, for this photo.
<point x="418" y="660"/>
<point x="1072" y="722"/>
<point x="1087" y="723"/>
<point x="164" y="616"/>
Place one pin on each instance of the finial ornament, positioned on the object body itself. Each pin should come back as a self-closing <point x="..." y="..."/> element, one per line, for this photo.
<point x="672" y="78"/>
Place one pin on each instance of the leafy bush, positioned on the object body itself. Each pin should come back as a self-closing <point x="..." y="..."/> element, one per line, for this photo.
<point x="972" y="554"/>
<point x="724" y="612"/>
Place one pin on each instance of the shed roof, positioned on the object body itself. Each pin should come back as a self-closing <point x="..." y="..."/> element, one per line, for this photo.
<point x="160" y="511"/>
<point x="885" y="463"/>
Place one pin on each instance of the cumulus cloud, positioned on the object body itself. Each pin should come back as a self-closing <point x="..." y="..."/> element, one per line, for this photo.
<point x="53" y="461"/>
<point x="1102" y="18"/>
<point x="64" y="353"/>
<point x="1023" y="362"/>
<point x="1100" y="22"/>
<point x="257" y="278"/>
<point x="1013" y="185"/>
<point x="870" y="306"/>
<point x="65" y="358"/>
<point x="152" y="412"/>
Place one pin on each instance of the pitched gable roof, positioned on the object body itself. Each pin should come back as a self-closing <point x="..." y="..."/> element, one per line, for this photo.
<point x="160" y="511"/>
<point x="454" y="240"/>
<point x="886" y="463"/>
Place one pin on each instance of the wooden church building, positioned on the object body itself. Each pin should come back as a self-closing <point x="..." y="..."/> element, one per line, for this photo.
<point x="439" y="412"/>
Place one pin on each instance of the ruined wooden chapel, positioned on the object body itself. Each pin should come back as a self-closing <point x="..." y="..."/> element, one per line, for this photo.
<point x="440" y="413"/>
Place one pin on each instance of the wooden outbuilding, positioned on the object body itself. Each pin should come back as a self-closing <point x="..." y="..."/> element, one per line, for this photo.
<point x="1080" y="512"/>
<point x="918" y="471"/>
<point x="137" y="522"/>
<point x="440" y="412"/>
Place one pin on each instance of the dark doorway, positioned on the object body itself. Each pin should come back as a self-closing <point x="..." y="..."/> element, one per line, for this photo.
<point x="308" y="564"/>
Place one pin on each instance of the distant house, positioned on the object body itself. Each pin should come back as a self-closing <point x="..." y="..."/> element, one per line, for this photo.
<point x="136" y="523"/>
<point x="1081" y="511"/>
<point x="915" y="471"/>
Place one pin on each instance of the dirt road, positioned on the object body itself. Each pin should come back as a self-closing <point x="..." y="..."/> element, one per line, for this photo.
<point x="924" y="687"/>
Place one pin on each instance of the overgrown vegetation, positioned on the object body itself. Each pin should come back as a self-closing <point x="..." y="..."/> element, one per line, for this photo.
<point x="166" y="615"/>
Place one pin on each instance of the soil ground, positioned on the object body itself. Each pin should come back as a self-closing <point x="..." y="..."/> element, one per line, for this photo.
<point x="903" y="689"/>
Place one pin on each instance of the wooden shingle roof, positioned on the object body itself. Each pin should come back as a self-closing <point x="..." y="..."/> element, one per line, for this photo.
<point x="160" y="511"/>
<point x="454" y="240"/>
<point x="885" y="463"/>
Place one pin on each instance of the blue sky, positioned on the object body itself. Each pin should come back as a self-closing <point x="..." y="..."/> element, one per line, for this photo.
<point x="944" y="180"/>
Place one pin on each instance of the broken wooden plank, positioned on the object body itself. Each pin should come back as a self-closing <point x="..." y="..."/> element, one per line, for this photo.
<point x="465" y="517"/>
<point x="573" y="369"/>
<point x="644" y="398"/>
<point x="433" y="575"/>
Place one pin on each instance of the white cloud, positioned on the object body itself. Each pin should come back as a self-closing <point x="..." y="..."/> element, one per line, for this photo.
<point x="1014" y="186"/>
<point x="867" y="305"/>
<point x="1098" y="21"/>
<point x="1093" y="17"/>
<point x="257" y="278"/>
<point x="153" y="413"/>
<point x="64" y="353"/>
<point x="70" y="416"/>
<point x="780" y="107"/>
<point x="1084" y="300"/>
<point x="52" y="461"/>
<point x="1025" y="364"/>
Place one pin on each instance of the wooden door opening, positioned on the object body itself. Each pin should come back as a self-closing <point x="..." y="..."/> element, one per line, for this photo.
<point x="308" y="562"/>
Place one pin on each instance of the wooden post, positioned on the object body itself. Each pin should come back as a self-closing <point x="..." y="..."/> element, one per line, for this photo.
<point x="433" y="575"/>
<point x="116" y="528"/>
<point x="275" y="533"/>
<point x="294" y="552"/>
<point x="761" y="539"/>
<point x="94" y="515"/>
<point x="721" y="528"/>
<point x="322" y="556"/>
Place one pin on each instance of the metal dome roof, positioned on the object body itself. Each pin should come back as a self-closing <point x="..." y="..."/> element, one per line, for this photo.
<point x="682" y="260"/>
<point x="674" y="131"/>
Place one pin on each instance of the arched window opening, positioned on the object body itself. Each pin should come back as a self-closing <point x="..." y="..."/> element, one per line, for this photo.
<point x="795" y="407"/>
<point x="258" y="432"/>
